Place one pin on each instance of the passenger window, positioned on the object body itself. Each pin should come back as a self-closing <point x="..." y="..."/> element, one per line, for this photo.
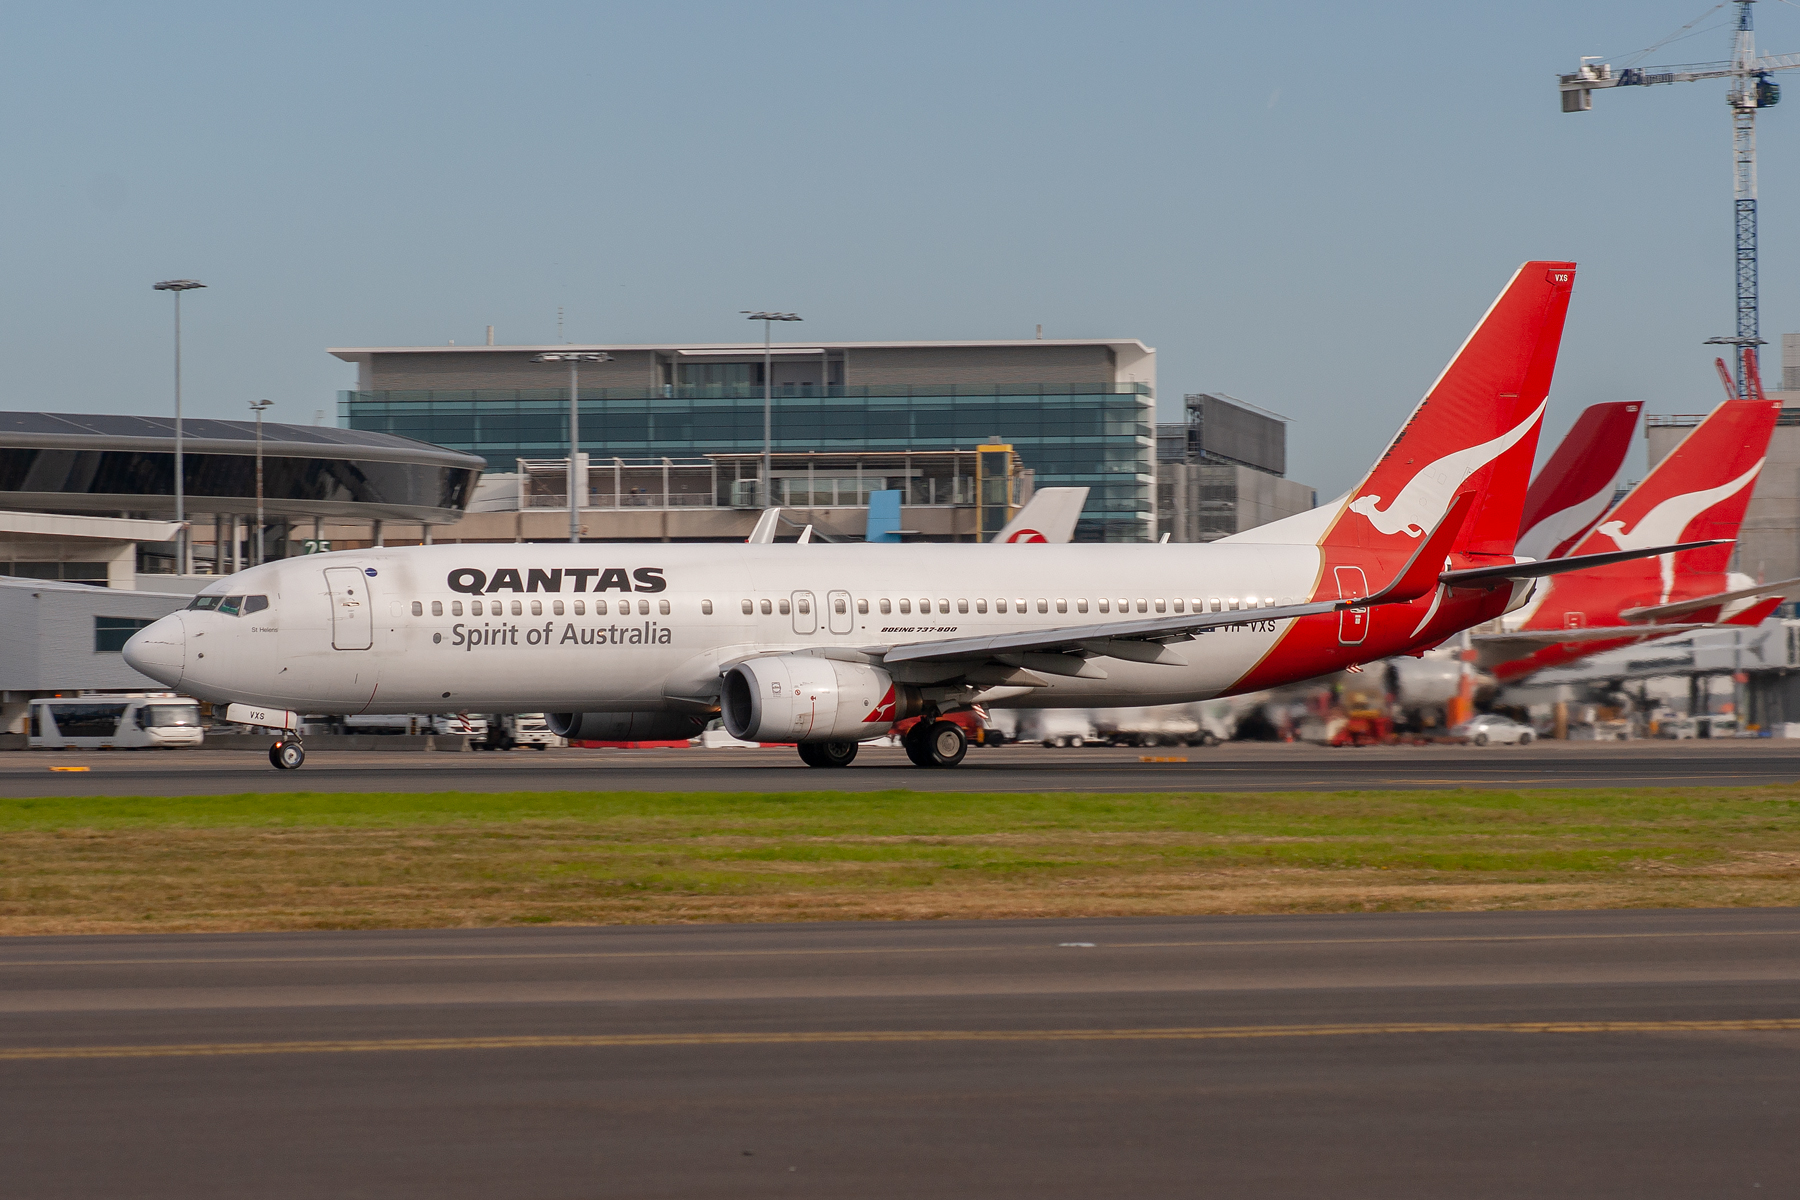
<point x="1021" y="603"/>
<point x="1213" y="604"/>
<point x="1062" y="606"/>
<point x="980" y="605"/>
<point x="1178" y="604"/>
<point x="229" y="605"/>
<point x="706" y="608"/>
<point x="905" y="605"/>
<point x="767" y="608"/>
<point x="886" y="607"/>
<point x="456" y="608"/>
<point x="1043" y="605"/>
<point x="839" y="605"/>
<point x="537" y="608"/>
<point x="580" y="608"/>
<point x="749" y="608"/>
<point x="1142" y="606"/>
<point x="962" y="606"/>
<point x="418" y="608"/>
<point x="1000" y="605"/>
<point x="258" y="603"/>
<point x="518" y="609"/>
<point x="943" y="606"/>
<point x="437" y="608"/>
<point x="1231" y="602"/>
<point x="662" y="606"/>
<point x="925" y="606"/>
<point x="1162" y="606"/>
<point x="600" y="607"/>
<point x="643" y="608"/>
<point x="475" y="608"/>
<point x="1105" y="604"/>
<point x="556" y="608"/>
<point x="1081" y="605"/>
<point x="862" y="606"/>
<point x="805" y="605"/>
<point x="784" y="608"/>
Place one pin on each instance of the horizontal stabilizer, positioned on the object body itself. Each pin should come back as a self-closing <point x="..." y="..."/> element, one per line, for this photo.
<point x="1586" y="633"/>
<point x="1494" y="576"/>
<point x="1656" y="612"/>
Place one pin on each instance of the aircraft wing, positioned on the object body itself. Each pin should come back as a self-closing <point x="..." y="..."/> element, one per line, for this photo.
<point x="1656" y="612"/>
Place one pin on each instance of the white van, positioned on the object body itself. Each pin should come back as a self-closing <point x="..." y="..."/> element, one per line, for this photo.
<point x="134" y="721"/>
<point x="446" y="723"/>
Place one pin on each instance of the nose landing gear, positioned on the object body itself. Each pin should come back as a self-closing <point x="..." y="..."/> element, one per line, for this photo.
<point x="287" y="754"/>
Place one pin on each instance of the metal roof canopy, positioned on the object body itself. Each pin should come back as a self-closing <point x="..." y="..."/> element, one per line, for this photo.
<point x="88" y="431"/>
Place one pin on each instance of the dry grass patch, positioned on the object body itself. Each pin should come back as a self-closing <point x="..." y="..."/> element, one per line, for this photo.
<point x="458" y="860"/>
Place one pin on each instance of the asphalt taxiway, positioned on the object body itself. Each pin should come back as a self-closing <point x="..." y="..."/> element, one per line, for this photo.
<point x="1640" y="1054"/>
<point x="1242" y="766"/>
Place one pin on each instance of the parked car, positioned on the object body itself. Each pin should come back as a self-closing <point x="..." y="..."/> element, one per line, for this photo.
<point x="1492" y="727"/>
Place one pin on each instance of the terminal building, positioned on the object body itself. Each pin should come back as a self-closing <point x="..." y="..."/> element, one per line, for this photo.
<point x="89" y="546"/>
<point x="1224" y="470"/>
<point x="847" y="418"/>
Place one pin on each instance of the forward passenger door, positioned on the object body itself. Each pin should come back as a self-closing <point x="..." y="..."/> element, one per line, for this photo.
<point x="352" y="616"/>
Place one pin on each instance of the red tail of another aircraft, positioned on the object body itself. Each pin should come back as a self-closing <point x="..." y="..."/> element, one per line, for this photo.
<point x="1572" y="491"/>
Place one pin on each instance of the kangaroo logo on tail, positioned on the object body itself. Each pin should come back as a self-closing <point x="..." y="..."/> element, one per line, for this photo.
<point x="1426" y="497"/>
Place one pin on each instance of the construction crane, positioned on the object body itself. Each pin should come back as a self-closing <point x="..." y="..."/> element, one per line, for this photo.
<point x="1751" y="89"/>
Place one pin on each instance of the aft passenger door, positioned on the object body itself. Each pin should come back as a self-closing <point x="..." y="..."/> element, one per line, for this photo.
<point x="806" y="617"/>
<point x="1353" y="623"/>
<point x="352" y="616"/>
<point x="837" y="612"/>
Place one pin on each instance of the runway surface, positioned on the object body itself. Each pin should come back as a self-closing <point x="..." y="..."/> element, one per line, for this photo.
<point x="1242" y="766"/>
<point x="1640" y="1054"/>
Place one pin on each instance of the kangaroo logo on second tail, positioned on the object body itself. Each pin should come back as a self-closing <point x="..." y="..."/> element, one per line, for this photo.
<point x="1426" y="497"/>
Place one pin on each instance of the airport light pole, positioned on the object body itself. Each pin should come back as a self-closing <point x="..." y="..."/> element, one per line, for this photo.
<point x="574" y="358"/>
<point x="182" y="549"/>
<point x="257" y="407"/>
<point x="768" y="318"/>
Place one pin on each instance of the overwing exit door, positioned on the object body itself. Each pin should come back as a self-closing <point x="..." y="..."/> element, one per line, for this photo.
<point x="806" y="618"/>
<point x="352" y="616"/>
<point x="837" y="613"/>
<point x="1353" y="623"/>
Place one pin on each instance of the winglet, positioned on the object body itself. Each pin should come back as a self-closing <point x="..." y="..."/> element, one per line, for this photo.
<point x="1419" y="576"/>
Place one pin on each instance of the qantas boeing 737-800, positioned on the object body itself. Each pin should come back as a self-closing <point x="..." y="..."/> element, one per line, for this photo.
<point x="828" y="645"/>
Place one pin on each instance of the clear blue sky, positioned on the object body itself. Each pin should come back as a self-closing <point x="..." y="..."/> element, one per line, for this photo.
<point x="1303" y="204"/>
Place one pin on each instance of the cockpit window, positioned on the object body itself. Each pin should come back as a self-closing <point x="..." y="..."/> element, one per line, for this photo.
<point x="206" y="602"/>
<point x="229" y="605"/>
<point x="255" y="604"/>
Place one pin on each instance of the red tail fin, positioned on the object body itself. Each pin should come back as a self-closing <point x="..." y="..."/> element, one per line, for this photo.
<point x="1699" y="491"/>
<point x="1475" y="431"/>
<point x="1575" y="487"/>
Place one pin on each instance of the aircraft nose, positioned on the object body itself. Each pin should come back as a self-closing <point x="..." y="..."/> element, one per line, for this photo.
<point x="159" y="650"/>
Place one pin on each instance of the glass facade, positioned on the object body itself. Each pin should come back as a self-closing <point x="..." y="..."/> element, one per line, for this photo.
<point x="1097" y="436"/>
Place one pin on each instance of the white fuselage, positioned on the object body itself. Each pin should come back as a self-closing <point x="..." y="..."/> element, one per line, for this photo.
<point x="650" y="626"/>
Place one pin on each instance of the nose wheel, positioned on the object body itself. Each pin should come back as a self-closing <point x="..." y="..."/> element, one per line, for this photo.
<point x="287" y="755"/>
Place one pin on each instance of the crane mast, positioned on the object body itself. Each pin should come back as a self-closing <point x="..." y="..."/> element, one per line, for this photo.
<point x="1751" y="89"/>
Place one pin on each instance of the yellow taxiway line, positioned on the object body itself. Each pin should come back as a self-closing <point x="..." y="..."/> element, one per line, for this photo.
<point x="854" y="1037"/>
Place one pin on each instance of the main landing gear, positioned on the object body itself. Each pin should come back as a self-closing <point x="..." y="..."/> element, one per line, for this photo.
<point x="287" y="754"/>
<point x="827" y="754"/>
<point x="936" y="744"/>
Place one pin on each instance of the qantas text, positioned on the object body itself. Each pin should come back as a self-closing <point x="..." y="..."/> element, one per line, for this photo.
<point x="605" y="579"/>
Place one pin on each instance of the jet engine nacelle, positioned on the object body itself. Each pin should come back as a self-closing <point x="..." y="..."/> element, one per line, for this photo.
<point x="625" y="726"/>
<point x="801" y="698"/>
